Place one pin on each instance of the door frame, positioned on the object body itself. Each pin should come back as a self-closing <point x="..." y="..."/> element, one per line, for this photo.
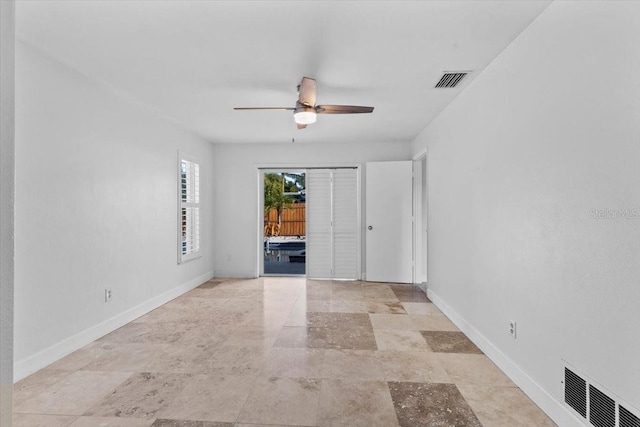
<point x="260" y="264"/>
<point x="261" y="169"/>
<point x="420" y="215"/>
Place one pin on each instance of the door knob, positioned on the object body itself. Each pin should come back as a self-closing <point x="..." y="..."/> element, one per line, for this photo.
<point x="370" y="227"/>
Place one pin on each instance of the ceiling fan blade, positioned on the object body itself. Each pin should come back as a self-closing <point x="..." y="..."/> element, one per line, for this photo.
<point x="307" y="92"/>
<point x="342" y="109"/>
<point x="301" y="126"/>
<point x="264" y="108"/>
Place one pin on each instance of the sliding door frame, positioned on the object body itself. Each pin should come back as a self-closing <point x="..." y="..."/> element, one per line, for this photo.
<point x="261" y="169"/>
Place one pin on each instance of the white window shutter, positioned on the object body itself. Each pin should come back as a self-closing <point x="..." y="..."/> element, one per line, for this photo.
<point x="189" y="208"/>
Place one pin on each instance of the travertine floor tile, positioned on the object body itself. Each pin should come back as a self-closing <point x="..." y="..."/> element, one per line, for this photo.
<point x="297" y="317"/>
<point x="317" y="291"/>
<point x="266" y="319"/>
<point x="212" y="283"/>
<point x="38" y="383"/>
<point x="150" y="332"/>
<point x="385" y="308"/>
<point x="450" y="342"/>
<point x="181" y="359"/>
<point x="196" y="303"/>
<point x="141" y="396"/>
<point x="412" y="366"/>
<point x="351" y="293"/>
<point x="473" y="369"/>
<point x="110" y="422"/>
<point x="235" y="293"/>
<point x="74" y="394"/>
<point x="282" y="401"/>
<point x="392" y="321"/>
<point x="396" y="339"/>
<point x="236" y="360"/>
<point x="352" y="338"/>
<point x="106" y="356"/>
<point x="374" y="292"/>
<point x="314" y="306"/>
<point x="504" y="407"/>
<point x="409" y="293"/>
<point x="422" y="308"/>
<point x="206" y="333"/>
<point x="356" y="403"/>
<point x="294" y="363"/>
<point x="253" y="336"/>
<point x="34" y="420"/>
<point x="265" y="425"/>
<point x="339" y="306"/>
<point x="301" y="337"/>
<point x="244" y="305"/>
<point x="210" y="398"/>
<point x="338" y="320"/>
<point x="188" y="423"/>
<point x="352" y="364"/>
<point x="432" y="405"/>
<point x="433" y="323"/>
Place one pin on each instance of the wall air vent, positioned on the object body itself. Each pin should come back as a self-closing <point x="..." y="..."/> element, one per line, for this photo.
<point x="627" y="419"/>
<point x="602" y="408"/>
<point x="575" y="392"/>
<point x="596" y="405"/>
<point x="451" y="79"/>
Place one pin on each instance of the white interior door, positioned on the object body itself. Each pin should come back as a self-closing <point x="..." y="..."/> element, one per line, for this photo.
<point x="389" y="222"/>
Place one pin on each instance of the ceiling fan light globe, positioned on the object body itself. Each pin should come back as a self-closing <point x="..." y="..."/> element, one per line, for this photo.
<point x="304" y="117"/>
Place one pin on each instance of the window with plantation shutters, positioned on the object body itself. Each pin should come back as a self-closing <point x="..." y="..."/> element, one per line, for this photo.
<point x="189" y="211"/>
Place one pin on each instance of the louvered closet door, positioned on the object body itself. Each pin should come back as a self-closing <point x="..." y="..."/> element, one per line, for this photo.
<point x="345" y="224"/>
<point x="332" y="223"/>
<point x="318" y="257"/>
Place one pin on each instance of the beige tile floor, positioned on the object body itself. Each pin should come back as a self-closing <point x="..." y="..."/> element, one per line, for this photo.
<point x="280" y="352"/>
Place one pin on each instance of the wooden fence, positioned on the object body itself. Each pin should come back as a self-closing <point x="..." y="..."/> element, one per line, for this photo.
<point x="293" y="221"/>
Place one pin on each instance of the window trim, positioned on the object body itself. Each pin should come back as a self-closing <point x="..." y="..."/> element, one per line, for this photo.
<point x="184" y="157"/>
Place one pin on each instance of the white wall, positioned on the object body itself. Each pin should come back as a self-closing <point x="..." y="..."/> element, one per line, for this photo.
<point x="516" y="164"/>
<point x="7" y="175"/>
<point x="236" y="189"/>
<point x="96" y="208"/>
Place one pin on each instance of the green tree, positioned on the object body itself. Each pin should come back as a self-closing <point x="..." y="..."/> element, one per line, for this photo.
<point x="294" y="181"/>
<point x="274" y="197"/>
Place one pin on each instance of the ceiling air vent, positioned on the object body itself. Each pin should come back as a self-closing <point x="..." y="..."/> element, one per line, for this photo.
<point x="627" y="419"/>
<point x="602" y="408"/>
<point x="451" y="79"/>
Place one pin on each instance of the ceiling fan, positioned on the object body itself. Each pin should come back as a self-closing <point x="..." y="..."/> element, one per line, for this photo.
<point x="306" y="109"/>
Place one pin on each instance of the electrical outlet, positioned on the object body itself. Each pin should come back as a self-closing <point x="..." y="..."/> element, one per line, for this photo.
<point x="512" y="328"/>
<point x="107" y="295"/>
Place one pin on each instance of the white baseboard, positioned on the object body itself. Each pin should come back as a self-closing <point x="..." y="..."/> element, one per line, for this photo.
<point x="423" y="286"/>
<point x="550" y="405"/>
<point x="31" y="364"/>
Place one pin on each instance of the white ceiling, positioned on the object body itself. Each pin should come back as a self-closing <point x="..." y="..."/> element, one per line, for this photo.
<point x="193" y="61"/>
